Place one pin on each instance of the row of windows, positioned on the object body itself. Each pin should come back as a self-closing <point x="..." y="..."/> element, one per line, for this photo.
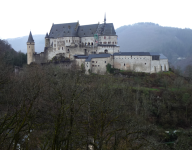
<point x="107" y="42"/>
<point x="95" y="65"/>
<point x="145" y="64"/>
<point x="130" y="58"/>
<point x="96" y="62"/>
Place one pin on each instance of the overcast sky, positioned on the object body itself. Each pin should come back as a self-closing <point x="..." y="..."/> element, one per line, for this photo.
<point x="18" y="17"/>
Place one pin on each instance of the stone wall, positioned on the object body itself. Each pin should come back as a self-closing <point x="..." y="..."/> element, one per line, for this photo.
<point x="135" y="63"/>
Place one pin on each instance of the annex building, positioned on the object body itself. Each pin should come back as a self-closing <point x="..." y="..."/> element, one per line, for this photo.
<point x="92" y="46"/>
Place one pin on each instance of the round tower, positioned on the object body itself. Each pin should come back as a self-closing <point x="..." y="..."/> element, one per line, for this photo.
<point x="30" y="49"/>
<point x="47" y="41"/>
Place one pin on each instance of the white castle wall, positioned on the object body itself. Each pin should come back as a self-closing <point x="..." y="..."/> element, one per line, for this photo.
<point x="135" y="63"/>
<point x="108" y="40"/>
<point x="110" y="49"/>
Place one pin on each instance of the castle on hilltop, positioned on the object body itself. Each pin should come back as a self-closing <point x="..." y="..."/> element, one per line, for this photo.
<point x="92" y="46"/>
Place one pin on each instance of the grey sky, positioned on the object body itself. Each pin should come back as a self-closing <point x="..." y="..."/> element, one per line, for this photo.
<point x="18" y="17"/>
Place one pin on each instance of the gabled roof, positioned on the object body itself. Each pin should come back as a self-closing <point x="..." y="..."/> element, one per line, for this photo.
<point x="97" y="56"/>
<point x="63" y="30"/>
<point x="30" y="39"/>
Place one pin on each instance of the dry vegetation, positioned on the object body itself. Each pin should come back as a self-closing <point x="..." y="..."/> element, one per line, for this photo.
<point x="48" y="108"/>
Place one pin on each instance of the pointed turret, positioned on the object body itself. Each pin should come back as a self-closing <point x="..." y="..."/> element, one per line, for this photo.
<point x="30" y="49"/>
<point x="30" y="39"/>
<point x="47" y="36"/>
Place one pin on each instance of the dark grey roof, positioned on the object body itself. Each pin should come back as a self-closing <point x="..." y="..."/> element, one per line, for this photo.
<point x="87" y="30"/>
<point x="30" y="39"/>
<point x="63" y="30"/>
<point x="97" y="56"/>
<point x="47" y="36"/>
<point x="132" y="53"/>
<point x="81" y="56"/>
<point x="162" y="56"/>
<point x="109" y="29"/>
<point x="154" y="54"/>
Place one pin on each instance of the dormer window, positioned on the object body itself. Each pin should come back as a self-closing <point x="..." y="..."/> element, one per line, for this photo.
<point x="81" y="29"/>
<point x="69" y="27"/>
<point x="84" y="33"/>
<point x="52" y="32"/>
<point x="90" y="29"/>
<point x="56" y="29"/>
<point x="64" y="32"/>
<point x="63" y="27"/>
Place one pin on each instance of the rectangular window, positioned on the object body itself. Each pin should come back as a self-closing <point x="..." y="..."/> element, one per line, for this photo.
<point x="92" y="61"/>
<point x="155" y="57"/>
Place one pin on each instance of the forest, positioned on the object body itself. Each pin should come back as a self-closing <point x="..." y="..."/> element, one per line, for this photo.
<point x="49" y="108"/>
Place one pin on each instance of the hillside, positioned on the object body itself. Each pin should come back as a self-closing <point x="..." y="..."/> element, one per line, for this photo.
<point x="172" y="42"/>
<point x="19" y="44"/>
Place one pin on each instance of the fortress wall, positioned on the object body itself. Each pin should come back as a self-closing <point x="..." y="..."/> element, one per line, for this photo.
<point x="108" y="39"/>
<point x="87" y="67"/>
<point x="111" y="49"/>
<point x="98" y="65"/>
<point x="135" y="63"/>
<point x="155" y="66"/>
<point x="88" y="40"/>
<point x="79" y="62"/>
<point x="164" y="64"/>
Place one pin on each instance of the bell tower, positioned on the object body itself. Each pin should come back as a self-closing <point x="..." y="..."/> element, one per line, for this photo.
<point x="30" y="49"/>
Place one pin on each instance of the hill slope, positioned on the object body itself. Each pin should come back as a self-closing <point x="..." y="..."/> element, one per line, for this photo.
<point x="172" y="42"/>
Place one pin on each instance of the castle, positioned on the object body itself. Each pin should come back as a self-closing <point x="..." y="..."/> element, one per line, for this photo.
<point x="93" y="47"/>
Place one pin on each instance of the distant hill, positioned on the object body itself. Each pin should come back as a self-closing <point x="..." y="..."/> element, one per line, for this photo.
<point x="172" y="42"/>
<point x="19" y="44"/>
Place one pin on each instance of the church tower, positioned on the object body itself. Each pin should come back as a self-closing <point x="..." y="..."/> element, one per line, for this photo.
<point x="30" y="49"/>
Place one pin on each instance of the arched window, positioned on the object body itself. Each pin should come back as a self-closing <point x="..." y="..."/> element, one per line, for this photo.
<point x="92" y="43"/>
<point x="88" y="43"/>
<point x="106" y="51"/>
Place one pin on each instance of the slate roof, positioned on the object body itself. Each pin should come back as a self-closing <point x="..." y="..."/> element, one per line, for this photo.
<point x="162" y="56"/>
<point x="97" y="56"/>
<point x="63" y="30"/>
<point x="109" y="29"/>
<point x="154" y="54"/>
<point x="47" y="36"/>
<point x="30" y="39"/>
<point x="132" y="53"/>
<point x="87" y="30"/>
<point x="68" y="30"/>
<point x="81" y="56"/>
